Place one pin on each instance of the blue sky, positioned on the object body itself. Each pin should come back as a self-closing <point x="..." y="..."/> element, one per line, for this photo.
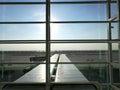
<point x="77" y="12"/>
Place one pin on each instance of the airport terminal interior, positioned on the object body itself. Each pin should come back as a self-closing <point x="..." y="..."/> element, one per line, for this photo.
<point x="59" y="44"/>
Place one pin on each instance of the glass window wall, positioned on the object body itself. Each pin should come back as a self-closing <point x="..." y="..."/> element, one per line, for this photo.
<point x="57" y="43"/>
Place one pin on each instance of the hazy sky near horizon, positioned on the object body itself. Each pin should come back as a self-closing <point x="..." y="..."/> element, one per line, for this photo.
<point x="77" y="12"/>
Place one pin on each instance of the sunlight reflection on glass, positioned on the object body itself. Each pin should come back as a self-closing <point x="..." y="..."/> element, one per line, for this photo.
<point x="54" y="28"/>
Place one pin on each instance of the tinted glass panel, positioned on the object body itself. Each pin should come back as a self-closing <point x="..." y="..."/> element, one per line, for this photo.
<point x="114" y="29"/>
<point x="22" y="73"/>
<point x="113" y="9"/>
<point x="115" y="52"/>
<point x="76" y="12"/>
<point x="82" y="73"/>
<point x="20" y="52"/>
<point x="116" y="73"/>
<point x="78" y="31"/>
<point x="85" y="52"/>
<point x="22" y="32"/>
<point x="22" y="13"/>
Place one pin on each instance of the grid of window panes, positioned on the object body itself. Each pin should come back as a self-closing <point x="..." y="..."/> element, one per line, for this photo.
<point x="87" y="32"/>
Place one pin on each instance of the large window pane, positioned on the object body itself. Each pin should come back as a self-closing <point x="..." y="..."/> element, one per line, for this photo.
<point x="114" y="29"/>
<point x="83" y="52"/>
<point x="95" y="72"/>
<point x="115" y="52"/>
<point x="20" y="73"/>
<point x="116" y="73"/>
<point x="82" y="73"/>
<point x="22" y="32"/>
<point x="113" y="9"/>
<point x="78" y="12"/>
<point x="22" y="13"/>
<point x="21" y="52"/>
<point x="78" y="31"/>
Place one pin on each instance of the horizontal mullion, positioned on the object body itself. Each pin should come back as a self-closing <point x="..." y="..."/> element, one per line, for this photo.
<point x="82" y="21"/>
<point x="65" y="2"/>
<point x="15" y="3"/>
<point x="52" y="83"/>
<point x="79" y="63"/>
<point x="4" y="63"/>
<point x="82" y="2"/>
<point x="56" y="41"/>
<point x="21" y="41"/>
<point x="84" y="41"/>
<point x="23" y="22"/>
<point x="116" y="83"/>
<point x="21" y="83"/>
<point x="54" y="63"/>
<point x="79" y="83"/>
<point x="38" y="22"/>
<point x="96" y="84"/>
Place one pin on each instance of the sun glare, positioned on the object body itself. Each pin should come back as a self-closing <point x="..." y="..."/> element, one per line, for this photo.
<point x="54" y="28"/>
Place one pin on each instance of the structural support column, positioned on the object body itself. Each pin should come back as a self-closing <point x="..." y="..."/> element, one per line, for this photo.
<point x="109" y="43"/>
<point x="47" y="44"/>
<point x="118" y="15"/>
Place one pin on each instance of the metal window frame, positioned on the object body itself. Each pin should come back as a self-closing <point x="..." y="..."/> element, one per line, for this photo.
<point x="58" y="2"/>
<point x="109" y="38"/>
<point x="47" y="44"/>
<point x="48" y="41"/>
<point x="58" y="41"/>
<point x="118" y="14"/>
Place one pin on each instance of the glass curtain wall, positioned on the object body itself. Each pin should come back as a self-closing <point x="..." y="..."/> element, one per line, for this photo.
<point x="60" y="41"/>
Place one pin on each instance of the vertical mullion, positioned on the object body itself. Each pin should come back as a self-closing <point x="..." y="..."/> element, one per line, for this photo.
<point x="47" y="44"/>
<point x="118" y="14"/>
<point x="109" y="38"/>
<point x="109" y="23"/>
